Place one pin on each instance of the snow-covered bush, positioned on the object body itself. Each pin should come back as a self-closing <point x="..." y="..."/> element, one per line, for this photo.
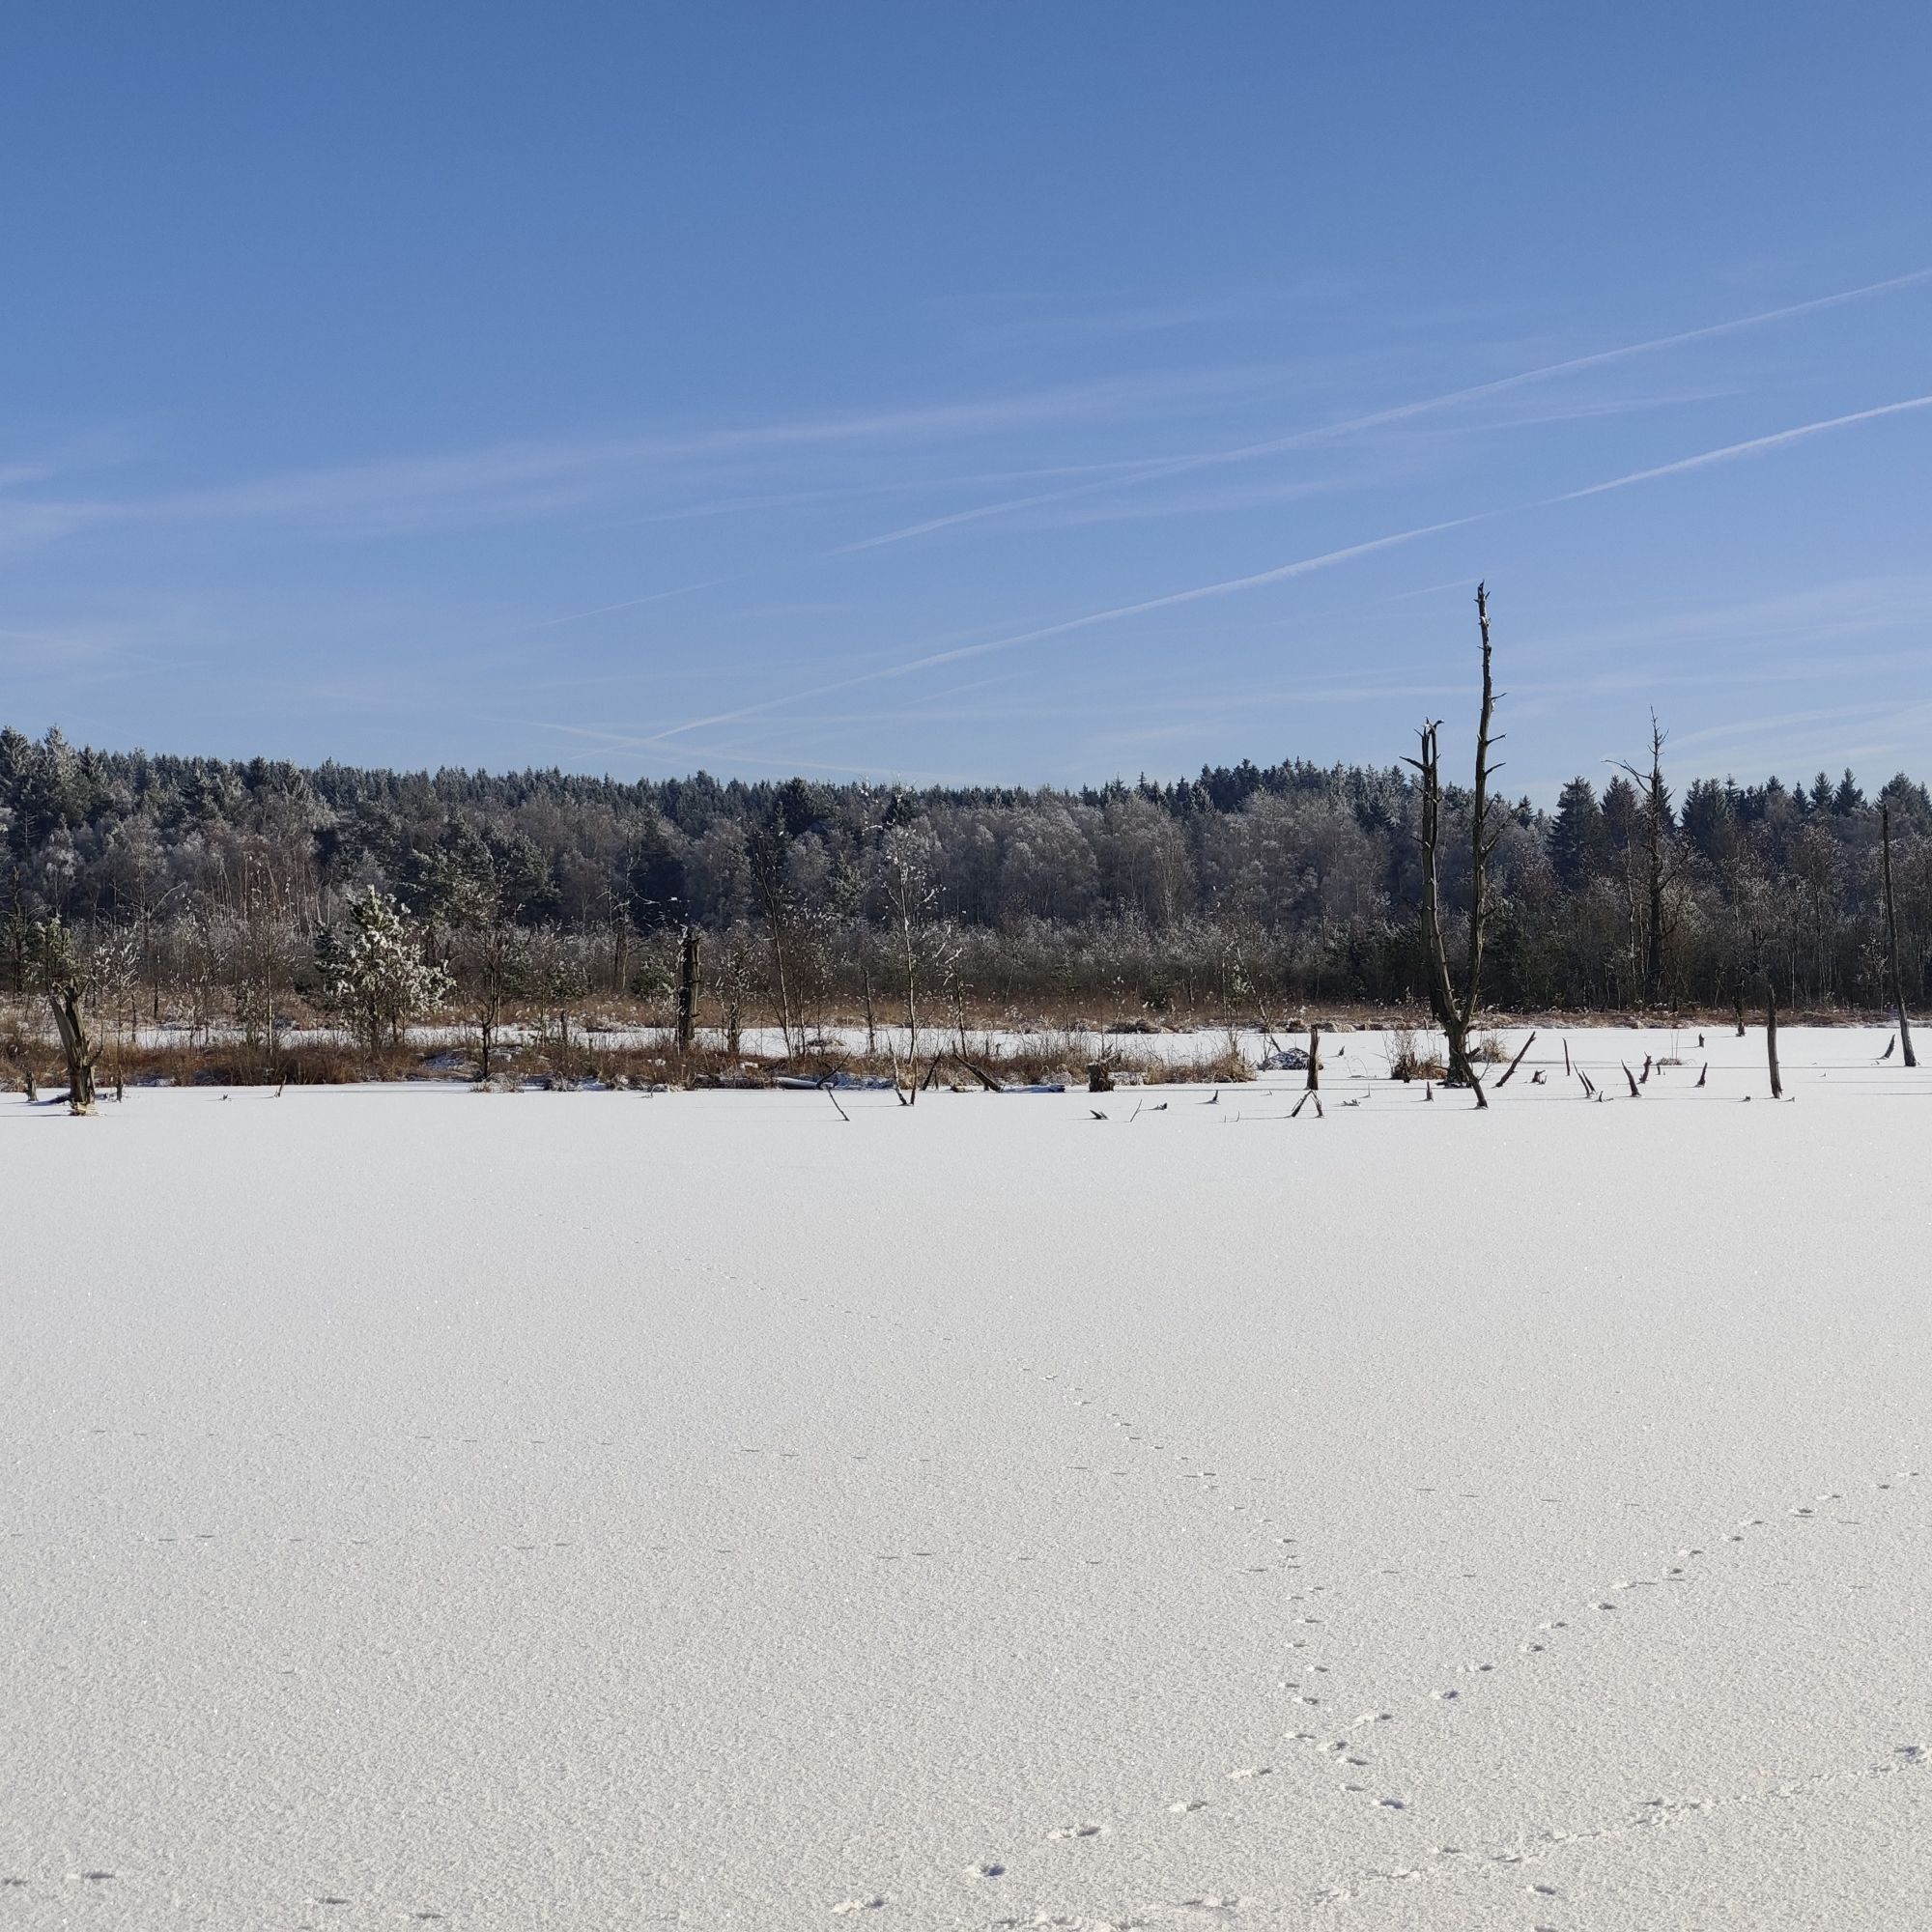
<point x="373" y="972"/>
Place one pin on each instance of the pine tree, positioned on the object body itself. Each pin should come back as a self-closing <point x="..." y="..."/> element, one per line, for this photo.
<point x="374" y="973"/>
<point x="1580" y="842"/>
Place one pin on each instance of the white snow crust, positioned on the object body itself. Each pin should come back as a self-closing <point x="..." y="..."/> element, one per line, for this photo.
<point x="587" y="1509"/>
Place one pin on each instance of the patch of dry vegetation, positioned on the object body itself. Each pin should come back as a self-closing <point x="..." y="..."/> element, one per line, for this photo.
<point x="1412" y="1057"/>
<point x="601" y="1056"/>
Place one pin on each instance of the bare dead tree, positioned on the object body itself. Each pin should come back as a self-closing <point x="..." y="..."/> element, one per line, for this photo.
<point x="1455" y="1008"/>
<point x="1771" y="1036"/>
<point x="765" y="854"/>
<point x="865" y="990"/>
<point x="1656" y="867"/>
<point x="1891" y="942"/>
<point x="687" y="988"/>
<point x="1517" y="1062"/>
<point x="909" y="899"/>
<point x="731" y="983"/>
<point x="484" y="914"/>
<point x="1314" y="1056"/>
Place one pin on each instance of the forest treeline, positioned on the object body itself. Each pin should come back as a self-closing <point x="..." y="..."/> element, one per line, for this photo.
<point x="226" y="887"/>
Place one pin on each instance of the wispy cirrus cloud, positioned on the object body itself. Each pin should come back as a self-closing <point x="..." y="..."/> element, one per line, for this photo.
<point x="513" y="481"/>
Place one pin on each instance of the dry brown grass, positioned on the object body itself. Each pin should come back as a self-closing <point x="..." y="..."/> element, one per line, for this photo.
<point x="1410" y="1058"/>
<point x="590" y="1061"/>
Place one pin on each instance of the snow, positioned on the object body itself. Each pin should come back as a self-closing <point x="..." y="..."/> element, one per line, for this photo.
<point x="607" y="1508"/>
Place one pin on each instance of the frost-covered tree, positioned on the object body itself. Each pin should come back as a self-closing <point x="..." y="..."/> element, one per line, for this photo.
<point x="74" y="972"/>
<point x="373" y="972"/>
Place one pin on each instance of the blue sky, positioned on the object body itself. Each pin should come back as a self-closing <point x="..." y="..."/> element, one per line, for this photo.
<point x="1020" y="393"/>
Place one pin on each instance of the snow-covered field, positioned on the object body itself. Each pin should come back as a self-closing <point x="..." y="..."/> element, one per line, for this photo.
<point x="605" y="1509"/>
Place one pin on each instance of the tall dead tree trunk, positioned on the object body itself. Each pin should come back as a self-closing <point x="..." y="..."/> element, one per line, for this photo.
<point x="1657" y="809"/>
<point x="687" y="988"/>
<point x="1771" y="1036"/>
<point x="79" y="1050"/>
<point x="1656" y="818"/>
<point x="1455" y="1008"/>
<point x="1313" y="1055"/>
<point x="1891" y="943"/>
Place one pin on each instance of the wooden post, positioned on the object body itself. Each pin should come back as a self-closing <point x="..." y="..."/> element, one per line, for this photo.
<point x="1771" y="1036"/>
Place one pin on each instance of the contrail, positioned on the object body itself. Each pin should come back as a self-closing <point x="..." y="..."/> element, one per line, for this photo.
<point x="1156" y="467"/>
<point x="1301" y="567"/>
<point x="632" y="603"/>
<point x="1731" y="451"/>
<point x="1226" y="587"/>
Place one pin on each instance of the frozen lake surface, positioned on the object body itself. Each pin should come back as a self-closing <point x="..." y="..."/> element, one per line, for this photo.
<point x="610" y="1510"/>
